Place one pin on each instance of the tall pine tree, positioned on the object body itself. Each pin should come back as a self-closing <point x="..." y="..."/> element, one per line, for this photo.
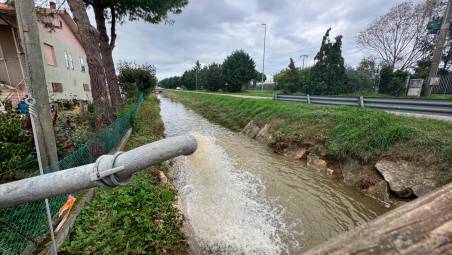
<point x="328" y="74"/>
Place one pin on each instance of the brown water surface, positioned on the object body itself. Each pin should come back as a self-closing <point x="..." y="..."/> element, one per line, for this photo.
<point x="241" y="198"/>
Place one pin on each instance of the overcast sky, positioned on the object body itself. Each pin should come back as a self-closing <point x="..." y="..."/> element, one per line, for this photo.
<point x="209" y="30"/>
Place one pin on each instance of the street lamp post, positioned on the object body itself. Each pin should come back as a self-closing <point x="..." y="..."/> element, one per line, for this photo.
<point x="303" y="57"/>
<point x="263" y="58"/>
<point x="196" y="73"/>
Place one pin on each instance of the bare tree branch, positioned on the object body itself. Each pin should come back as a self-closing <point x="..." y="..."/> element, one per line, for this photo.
<point x="397" y="36"/>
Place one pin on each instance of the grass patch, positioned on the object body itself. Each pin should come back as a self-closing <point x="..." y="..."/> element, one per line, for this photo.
<point x="438" y="96"/>
<point x="345" y="132"/>
<point x="138" y="218"/>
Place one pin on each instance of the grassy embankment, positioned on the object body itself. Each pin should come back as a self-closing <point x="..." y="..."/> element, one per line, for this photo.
<point x="338" y="132"/>
<point x="138" y="218"/>
<point x="267" y="93"/>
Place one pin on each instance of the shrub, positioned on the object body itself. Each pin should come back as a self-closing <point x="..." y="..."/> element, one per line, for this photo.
<point x="91" y="107"/>
<point x="143" y="76"/>
<point x="16" y="144"/>
<point x="130" y="90"/>
<point x="8" y="105"/>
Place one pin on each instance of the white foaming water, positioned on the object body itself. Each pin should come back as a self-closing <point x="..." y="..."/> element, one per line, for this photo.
<point x="225" y="205"/>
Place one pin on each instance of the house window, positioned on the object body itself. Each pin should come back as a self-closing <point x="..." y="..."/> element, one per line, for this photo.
<point x="49" y="53"/>
<point x="71" y="62"/>
<point x="85" y="87"/>
<point x="57" y="87"/>
<point x="82" y="65"/>
<point x="66" y="59"/>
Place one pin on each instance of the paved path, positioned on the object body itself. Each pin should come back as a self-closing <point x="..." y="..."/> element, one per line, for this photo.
<point x="423" y="115"/>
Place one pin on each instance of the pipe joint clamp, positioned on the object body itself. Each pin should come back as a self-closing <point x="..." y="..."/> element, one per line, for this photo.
<point x="104" y="171"/>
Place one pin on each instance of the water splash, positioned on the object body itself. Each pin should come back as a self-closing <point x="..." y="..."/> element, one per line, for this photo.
<point x="226" y="206"/>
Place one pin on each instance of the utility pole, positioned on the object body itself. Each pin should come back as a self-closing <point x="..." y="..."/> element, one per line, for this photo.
<point x="34" y="75"/>
<point x="263" y="57"/>
<point x="439" y="47"/>
<point x="303" y="57"/>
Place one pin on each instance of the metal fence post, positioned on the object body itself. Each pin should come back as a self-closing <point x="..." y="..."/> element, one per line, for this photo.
<point x="309" y="99"/>
<point x="361" y="101"/>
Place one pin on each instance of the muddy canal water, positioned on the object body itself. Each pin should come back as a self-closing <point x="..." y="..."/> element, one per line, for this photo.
<point x="241" y="198"/>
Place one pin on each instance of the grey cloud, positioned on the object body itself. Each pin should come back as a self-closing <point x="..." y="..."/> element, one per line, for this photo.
<point x="210" y="30"/>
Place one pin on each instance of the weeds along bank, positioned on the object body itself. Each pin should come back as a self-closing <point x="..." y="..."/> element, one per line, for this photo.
<point x="389" y="157"/>
<point x="136" y="219"/>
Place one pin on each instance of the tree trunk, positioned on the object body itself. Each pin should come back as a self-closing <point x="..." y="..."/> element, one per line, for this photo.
<point x="90" y="42"/>
<point x="423" y="226"/>
<point x="107" y="58"/>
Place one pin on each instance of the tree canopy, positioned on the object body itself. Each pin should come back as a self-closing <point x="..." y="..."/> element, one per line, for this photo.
<point x="142" y="76"/>
<point x="398" y="36"/>
<point x="289" y="78"/>
<point x="392" y="82"/>
<point x="259" y="76"/>
<point x="328" y="73"/>
<point x="238" y="69"/>
<point x="214" y="79"/>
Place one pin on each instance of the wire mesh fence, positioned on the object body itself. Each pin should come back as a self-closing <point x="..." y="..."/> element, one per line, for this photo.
<point x="445" y="85"/>
<point x="24" y="227"/>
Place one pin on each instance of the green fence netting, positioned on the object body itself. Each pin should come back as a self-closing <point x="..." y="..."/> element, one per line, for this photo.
<point x="23" y="227"/>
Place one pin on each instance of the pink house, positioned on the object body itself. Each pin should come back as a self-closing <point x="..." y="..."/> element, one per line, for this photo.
<point x="64" y="58"/>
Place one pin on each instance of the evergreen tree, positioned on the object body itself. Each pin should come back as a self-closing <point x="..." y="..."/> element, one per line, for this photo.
<point x="386" y="75"/>
<point x="337" y="79"/>
<point x="328" y="74"/>
<point x="259" y="76"/>
<point x="202" y="77"/>
<point x="189" y="79"/>
<point x="214" y="78"/>
<point x="238" y="70"/>
<point x="392" y="82"/>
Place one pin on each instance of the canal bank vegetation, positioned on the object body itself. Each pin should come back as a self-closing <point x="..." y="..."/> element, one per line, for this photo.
<point x="348" y="142"/>
<point x="136" y="219"/>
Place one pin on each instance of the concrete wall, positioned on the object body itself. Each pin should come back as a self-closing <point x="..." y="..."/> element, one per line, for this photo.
<point x="63" y="40"/>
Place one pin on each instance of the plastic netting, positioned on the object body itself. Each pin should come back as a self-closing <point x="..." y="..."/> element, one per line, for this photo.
<point x="23" y="228"/>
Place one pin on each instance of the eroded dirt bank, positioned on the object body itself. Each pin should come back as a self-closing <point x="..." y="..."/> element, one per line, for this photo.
<point x="389" y="179"/>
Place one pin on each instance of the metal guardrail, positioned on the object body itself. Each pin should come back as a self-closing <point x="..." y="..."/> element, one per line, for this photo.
<point x="443" y="107"/>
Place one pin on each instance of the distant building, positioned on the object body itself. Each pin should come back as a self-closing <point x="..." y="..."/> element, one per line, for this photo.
<point x="64" y="58"/>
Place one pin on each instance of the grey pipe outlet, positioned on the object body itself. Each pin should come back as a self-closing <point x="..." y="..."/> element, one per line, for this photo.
<point x="109" y="170"/>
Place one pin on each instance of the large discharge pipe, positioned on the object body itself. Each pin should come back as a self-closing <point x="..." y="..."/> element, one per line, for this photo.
<point x="108" y="170"/>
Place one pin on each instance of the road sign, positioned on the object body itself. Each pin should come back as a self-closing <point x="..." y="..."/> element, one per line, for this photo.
<point x="434" y="25"/>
